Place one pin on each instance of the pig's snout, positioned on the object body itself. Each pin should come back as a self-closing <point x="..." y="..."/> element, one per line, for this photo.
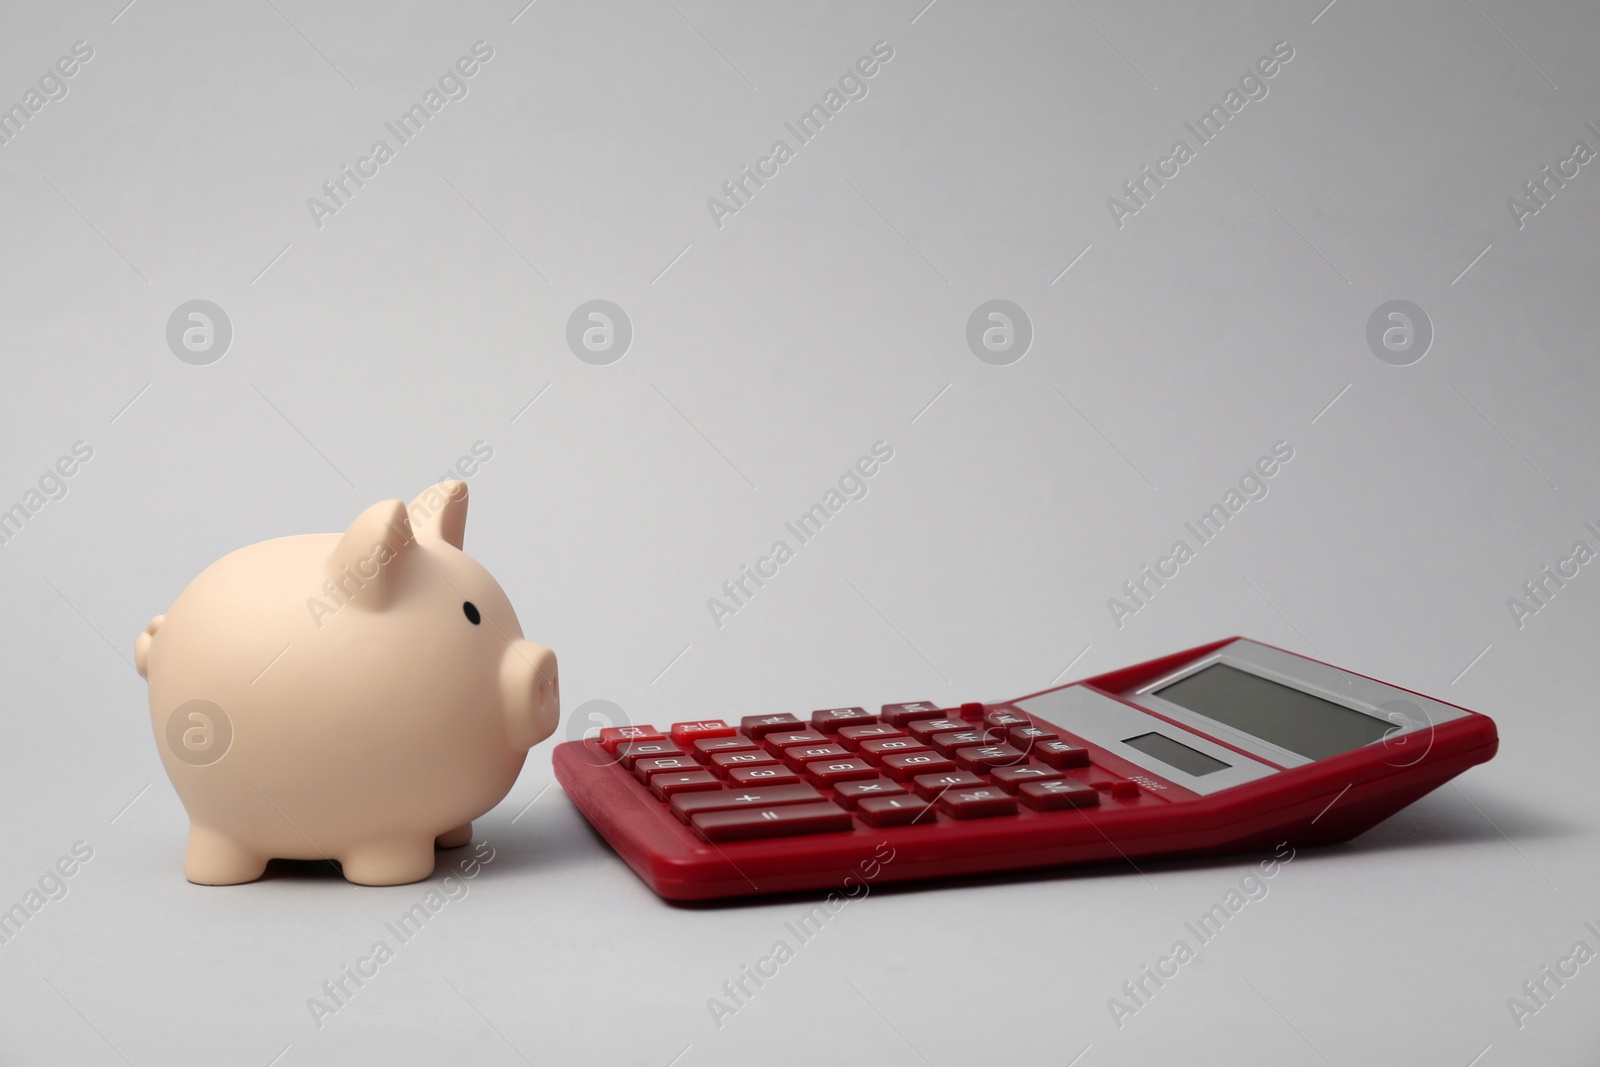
<point x="531" y="691"/>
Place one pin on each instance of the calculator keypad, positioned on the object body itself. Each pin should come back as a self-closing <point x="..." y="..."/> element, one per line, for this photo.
<point x="782" y="775"/>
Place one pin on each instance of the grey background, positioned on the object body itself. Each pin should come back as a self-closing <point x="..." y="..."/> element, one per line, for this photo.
<point x="768" y="355"/>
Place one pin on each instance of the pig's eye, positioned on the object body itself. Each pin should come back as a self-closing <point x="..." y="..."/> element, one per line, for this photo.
<point x="471" y="611"/>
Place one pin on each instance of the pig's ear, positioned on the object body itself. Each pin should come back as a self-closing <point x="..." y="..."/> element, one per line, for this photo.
<point x="440" y="513"/>
<point x="364" y="566"/>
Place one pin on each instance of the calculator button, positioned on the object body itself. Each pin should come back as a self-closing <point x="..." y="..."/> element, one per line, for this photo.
<point x="831" y="720"/>
<point x="1058" y="794"/>
<point x="798" y="756"/>
<point x="947" y="743"/>
<point x="1125" y="790"/>
<point x="687" y="804"/>
<point x="1025" y="737"/>
<point x="685" y="732"/>
<point x="779" y="741"/>
<point x="818" y="817"/>
<point x="1005" y="720"/>
<point x="667" y="783"/>
<point x="612" y="736"/>
<point x="759" y="726"/>
<point x="894" y="811"/>
<point x="723" y="762"/>
<point x="636" y="750"/>
<point x="988" y="757"/>
<point x="900" y="714"/>
<point x="766" y="774"/>
<point x="853" y="736"/>
<point x="973" y="710"/>
<point x="704" y="747"/>
<point x="644" y="768"/>
<point x="907" y="765"/>
<point x="849" y="793"/>
<point x="922" y="729"/>
<point x="879" y="747"/>
<point x="828" y="772"/>
<point x="929" y="786"/>
<point x="1061" y="754"/>
<point x="1010" y="778"/>
<point x="977" y="802"/>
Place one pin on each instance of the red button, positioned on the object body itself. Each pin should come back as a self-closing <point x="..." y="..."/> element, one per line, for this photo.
<point x="687" y="804"/>
<point x="612" y="736"/>
<point x="828" y="772"/>
<point x="644" y="768"/>
<point x="723" y="762"/>
<point x="907" y="765"/>
<point x="849" y="793"/>
<point x="1011" y="778"/>
<point x="797" y="756"/>
<point x="923" y="729"/>
<point x="1057" y="795"/>
<point x="947" y="742"/>
<point x="766" y="774"/>
<point x="929" y="786"/>
<point x="900" y="714"/>
<point x="636" y="750"/>
<point x="988" y="757"/>
<point x="973" y="711"/>
<point x="1125" y="790"/>
<point x="776" y="742"/>
<point x="879" y="747"/>
<point x="704" y="747"/>
<point x="685" y="732"/>
<point x="819" y="817"/>
<point x="1061" y="754"/>
<point x="853" y="736"/>
<point x="1005" y="720"/>
<point x="667" y="783"/>
<point x="759" y="726"/>
<point x="977" y="802"/>
<point x="895" y="811"/>
<point x="1025" y="737"/>
<point x="831" y="720"/>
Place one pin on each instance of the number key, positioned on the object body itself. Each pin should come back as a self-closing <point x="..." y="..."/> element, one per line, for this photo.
<point x="798" y="756"/>
<point x="907" y="765"/>
<point x="766" y="774"/>
<point x="644" y="768"/>
<point x="880" y="747"/>
<point x="830" y="772"/>
<point x="854" y="736"/>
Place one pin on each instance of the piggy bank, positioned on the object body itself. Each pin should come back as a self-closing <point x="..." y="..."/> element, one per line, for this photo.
<point x="358" y="696"/>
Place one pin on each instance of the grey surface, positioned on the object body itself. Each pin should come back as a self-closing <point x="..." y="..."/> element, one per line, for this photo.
<point x="1229" y="313"/>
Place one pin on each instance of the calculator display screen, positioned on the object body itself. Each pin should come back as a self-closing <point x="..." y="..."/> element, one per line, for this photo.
<point x="1278" y="714"/>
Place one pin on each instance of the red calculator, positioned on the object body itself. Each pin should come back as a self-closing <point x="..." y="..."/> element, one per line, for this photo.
<point x="1234" y="746"/>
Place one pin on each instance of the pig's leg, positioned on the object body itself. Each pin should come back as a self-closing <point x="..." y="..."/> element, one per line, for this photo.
<point x="461" y="835"/>
<point x="389" y="861"/>
<point x="214" y="858"/>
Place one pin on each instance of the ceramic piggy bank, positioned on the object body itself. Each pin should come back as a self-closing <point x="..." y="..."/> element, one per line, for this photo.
<point x="359" y="697"/>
